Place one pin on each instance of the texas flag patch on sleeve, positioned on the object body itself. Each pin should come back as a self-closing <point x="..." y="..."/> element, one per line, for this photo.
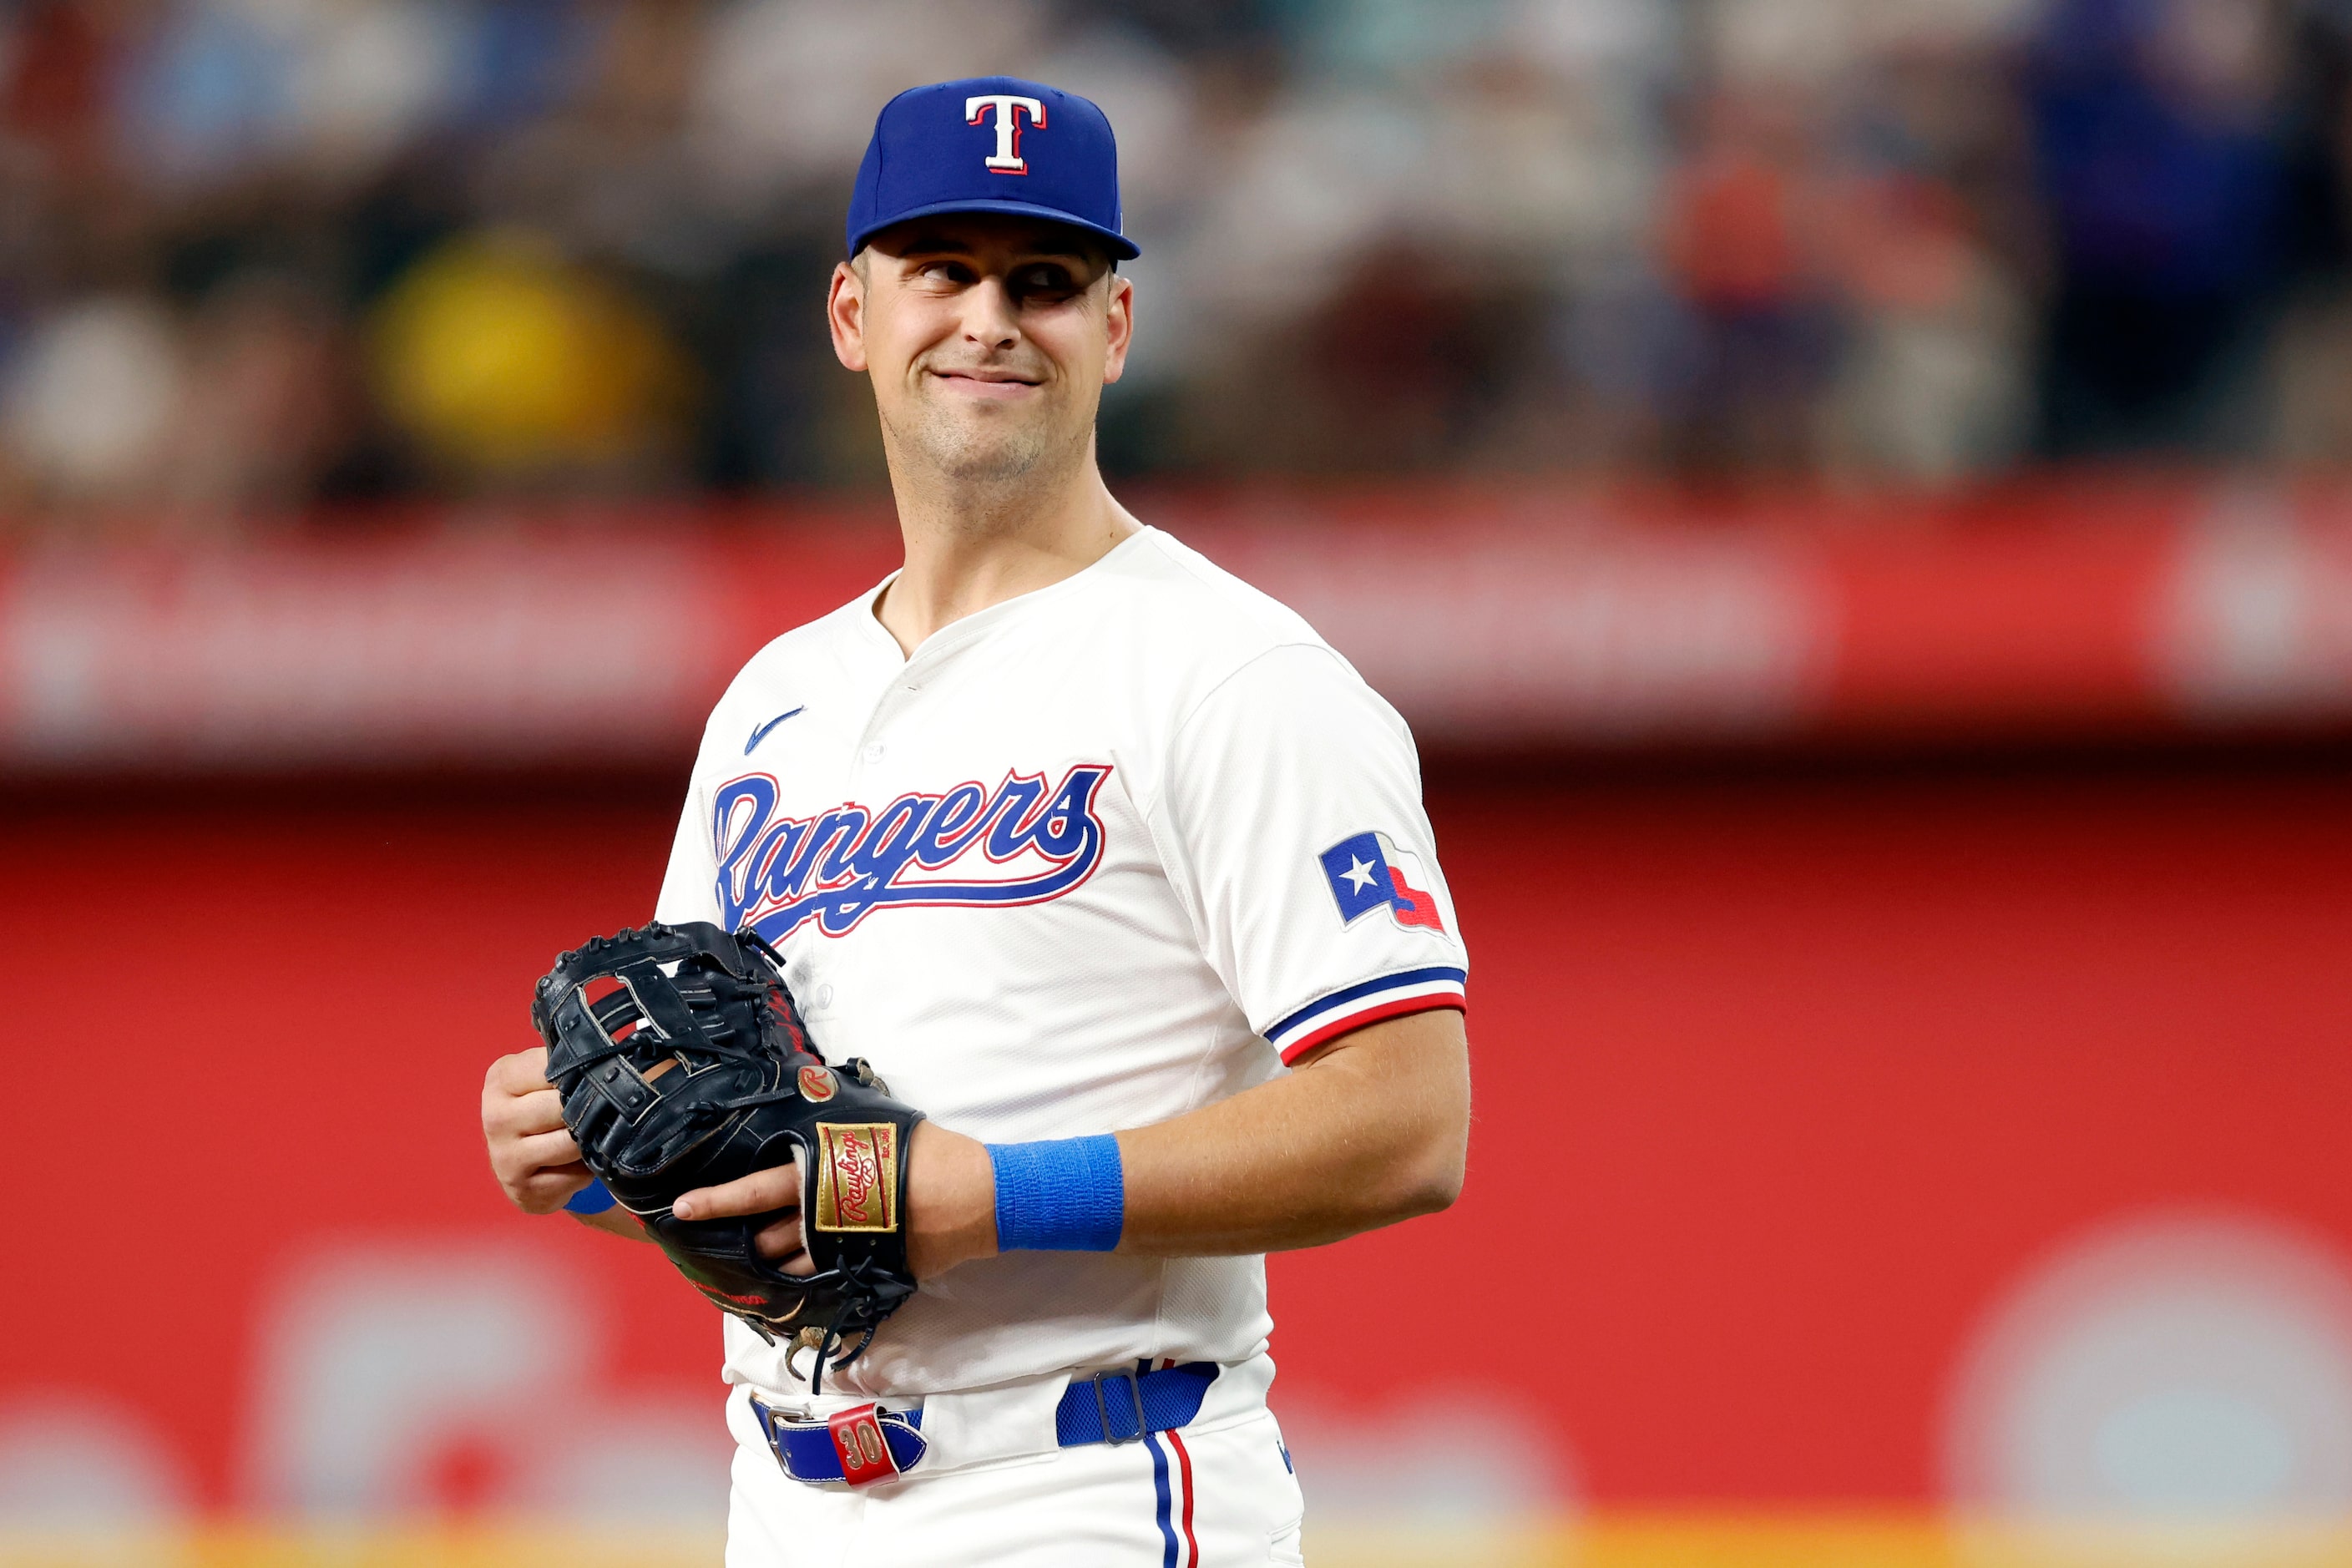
<point x="1370" y="872"/>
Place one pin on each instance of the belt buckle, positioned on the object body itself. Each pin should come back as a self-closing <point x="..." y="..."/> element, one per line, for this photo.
<point x="772" y="1427"/>
<point x="1102" y="1409"/>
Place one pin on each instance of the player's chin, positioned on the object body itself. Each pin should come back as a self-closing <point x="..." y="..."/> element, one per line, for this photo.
<point x="985" y="450"/>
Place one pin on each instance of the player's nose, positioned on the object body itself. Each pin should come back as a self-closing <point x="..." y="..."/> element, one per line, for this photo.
<point x="989" y="317"/>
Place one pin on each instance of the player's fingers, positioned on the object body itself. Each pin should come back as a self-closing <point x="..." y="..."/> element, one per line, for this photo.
<point x="544" y="1151"/>
<point x="545" y="1192"/>
<point x="780" y="1244"/>
<point x="519" y="1073"/>
<point x="520" y="1115"/>
<point x="777" y="1187"/>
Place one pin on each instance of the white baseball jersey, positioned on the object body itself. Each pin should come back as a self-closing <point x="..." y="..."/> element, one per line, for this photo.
<point x="1091" y="858"/>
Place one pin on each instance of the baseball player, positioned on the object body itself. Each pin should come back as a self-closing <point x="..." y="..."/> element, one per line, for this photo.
<point x="1110" y="865"/>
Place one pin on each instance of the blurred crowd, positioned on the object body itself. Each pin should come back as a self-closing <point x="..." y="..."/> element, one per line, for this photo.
<point x="259" y="256"/>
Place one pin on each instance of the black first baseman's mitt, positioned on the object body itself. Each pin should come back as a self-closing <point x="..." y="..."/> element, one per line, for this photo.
<point x="682" y="1064"/>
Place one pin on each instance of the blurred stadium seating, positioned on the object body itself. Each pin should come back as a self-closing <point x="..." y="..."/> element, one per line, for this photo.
<point x="1850" y="495"/>
<point x="257" y="255"/>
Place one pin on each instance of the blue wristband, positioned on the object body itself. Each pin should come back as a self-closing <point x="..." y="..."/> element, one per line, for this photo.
<point x="591" y="1199"/>
<point x="1064" y="1194"/>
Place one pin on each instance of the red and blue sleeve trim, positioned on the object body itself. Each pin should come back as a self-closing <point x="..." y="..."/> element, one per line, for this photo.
<point x="1390" y="997"/>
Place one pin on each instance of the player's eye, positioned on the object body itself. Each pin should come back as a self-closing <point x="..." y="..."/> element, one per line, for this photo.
<point x="1046" y="282"/>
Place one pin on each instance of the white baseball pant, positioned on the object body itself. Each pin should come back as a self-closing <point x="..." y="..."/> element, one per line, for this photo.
<point x="1219" y="1493"/>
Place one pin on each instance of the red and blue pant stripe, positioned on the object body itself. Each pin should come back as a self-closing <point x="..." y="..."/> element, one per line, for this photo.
<point x="1172" y="1485"/>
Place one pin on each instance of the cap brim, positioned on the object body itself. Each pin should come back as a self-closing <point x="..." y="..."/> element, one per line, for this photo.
<point x="1119" y="244"/>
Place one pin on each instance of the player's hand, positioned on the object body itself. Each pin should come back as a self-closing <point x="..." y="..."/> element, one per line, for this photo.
<point x="950" y="1204"/>
<point x="531" y="1153"/>
<point x="776" y="1188"/>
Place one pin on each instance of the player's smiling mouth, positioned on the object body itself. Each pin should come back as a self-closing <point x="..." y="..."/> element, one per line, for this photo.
<point x="987" y="383"/>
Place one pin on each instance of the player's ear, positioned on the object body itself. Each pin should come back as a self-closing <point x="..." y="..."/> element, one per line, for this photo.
<point x="844" y="314"/>
<point x="1119" y="324"/>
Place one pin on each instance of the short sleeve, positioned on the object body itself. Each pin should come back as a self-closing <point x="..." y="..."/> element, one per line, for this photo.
<point x="1291" y="820"/>
<point x="690" y="889"/>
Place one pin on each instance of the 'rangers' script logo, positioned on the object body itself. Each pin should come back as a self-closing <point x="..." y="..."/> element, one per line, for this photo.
<point x="837" y="867"/>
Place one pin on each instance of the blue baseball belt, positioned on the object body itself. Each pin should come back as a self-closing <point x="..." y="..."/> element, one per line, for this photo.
<point x="866" y="1442"/>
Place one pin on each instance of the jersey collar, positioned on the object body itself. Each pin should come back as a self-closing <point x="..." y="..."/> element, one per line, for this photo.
<point x="960" y="633"/>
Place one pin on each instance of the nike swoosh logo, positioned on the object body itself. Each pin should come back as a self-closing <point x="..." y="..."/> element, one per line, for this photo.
<point x="761" y="733"/>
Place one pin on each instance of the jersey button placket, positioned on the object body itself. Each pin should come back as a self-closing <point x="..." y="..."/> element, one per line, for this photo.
<point x="872" y="749"/>
<point x="871" y="746"/>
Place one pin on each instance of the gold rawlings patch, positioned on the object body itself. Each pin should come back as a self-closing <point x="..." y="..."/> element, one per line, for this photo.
<point x="857" y="1177"/>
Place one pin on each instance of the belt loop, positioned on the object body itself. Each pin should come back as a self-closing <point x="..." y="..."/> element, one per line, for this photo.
<point x="1134" y="1392"/>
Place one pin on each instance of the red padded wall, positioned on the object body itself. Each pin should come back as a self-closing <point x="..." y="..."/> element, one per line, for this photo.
<point x="1779" y="1082"/>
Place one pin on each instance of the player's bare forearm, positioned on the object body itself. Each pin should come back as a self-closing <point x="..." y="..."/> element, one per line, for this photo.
<point x="1371" y="1131"/>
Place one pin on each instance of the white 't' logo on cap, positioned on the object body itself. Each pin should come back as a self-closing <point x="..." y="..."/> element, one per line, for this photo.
<point x="1008" y="107"/>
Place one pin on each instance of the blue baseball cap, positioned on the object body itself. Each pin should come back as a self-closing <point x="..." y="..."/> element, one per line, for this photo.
<point x="990" y="145"/>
